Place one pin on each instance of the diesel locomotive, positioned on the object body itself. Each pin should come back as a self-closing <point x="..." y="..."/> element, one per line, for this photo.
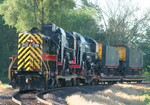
<point x="54" y="57"/>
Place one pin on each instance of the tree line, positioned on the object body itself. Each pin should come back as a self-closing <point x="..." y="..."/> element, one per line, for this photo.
<point x="117" y="23"/>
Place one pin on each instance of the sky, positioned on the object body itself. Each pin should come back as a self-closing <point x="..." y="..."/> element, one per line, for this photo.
<point x="142" y="4"/>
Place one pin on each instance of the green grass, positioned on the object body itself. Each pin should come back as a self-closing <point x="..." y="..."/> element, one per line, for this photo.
<point x="147" y="97"/>
<point x="4" y="85"/>
<point x="147" y="75"/>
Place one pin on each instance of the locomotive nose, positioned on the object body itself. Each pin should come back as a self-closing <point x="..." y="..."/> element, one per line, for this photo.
<point x="29" y="52"/>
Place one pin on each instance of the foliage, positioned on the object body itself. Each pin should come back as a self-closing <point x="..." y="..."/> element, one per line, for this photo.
<point x="8" y="47"/>
<point x="81" y="20"/>
<point x="120" y="21"/>
<point x="25" y="14"/>
<point x="30" y="13"/>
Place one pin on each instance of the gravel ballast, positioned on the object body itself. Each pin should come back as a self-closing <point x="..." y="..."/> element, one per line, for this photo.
<point x="118" y="94"/>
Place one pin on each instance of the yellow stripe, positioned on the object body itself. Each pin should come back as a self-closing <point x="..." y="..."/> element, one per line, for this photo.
<point x="38" y="38"/>
<point x="29" y="63"/>
<point x="26" y="54"/>
<point x="34" y="56"/>
<point x="23" y="52"/>
<point x="20" y="50"/>
<point x="29" y="57"/>
<point x="19" y="46"/>
<point x="36" y="52"/>
<point x="20" y="34"/>
<point x="22" y="37"/>
<point x="26" y="38"/>
<point x="39" y="50"/>
<point x="22" y="59"/>
<point x="20" y="65"/>
<point x="34" y="38"/>
<point x="29" y="68"/>
<point x="36" y="59"/>
<point x="41" y="35"/>
<point x="36" y="64"/>
<point x="41" y="46"/>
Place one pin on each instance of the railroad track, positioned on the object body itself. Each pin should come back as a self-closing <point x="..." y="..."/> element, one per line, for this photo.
<point x="38" y="99"/>
<point x="25" y="98"/>
<point x="41" y="99"/>
<point x="16" y="100"/>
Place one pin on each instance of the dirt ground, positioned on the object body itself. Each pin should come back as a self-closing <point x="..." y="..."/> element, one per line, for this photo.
<point x="118" y="94"/>
<point x="5" y="89"/>
<point x="6" y="94"/>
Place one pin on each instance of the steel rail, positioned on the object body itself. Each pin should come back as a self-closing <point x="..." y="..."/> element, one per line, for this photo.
<point x="39" y="96"/>
<point x="14" y="99"/>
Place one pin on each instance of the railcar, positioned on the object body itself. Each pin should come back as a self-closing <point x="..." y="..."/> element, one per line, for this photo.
<point x="108" y="63"/>
<point x="130" y="63"/>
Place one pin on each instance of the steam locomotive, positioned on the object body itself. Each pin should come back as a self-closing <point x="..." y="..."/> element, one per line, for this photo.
<point x="54" y="57"/>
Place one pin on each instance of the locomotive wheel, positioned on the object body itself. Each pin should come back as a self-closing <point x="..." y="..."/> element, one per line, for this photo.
<point x="72" y="82"/>
<point x="93" y="82"/>
<point x="78" y="82"/>
<point x="139" y="81"/>
<point x="67" y="83"/>
<point x="58" y="83"/>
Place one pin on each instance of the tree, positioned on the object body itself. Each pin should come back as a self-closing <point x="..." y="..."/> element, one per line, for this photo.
<point x="8" y="47"/>
<point x="121" y="22"/>
<point x="81" y="20"/>
<point x="30" y="13"/>
<point x="25" y="14"/>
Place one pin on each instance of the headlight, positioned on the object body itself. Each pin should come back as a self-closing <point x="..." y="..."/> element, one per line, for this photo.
<point x="40" y="72"/>
<point x="16" y="72"/>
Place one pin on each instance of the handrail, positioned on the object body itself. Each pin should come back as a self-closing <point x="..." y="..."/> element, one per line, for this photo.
<point x="49" y="69"/>
<point x="9" y="69"/>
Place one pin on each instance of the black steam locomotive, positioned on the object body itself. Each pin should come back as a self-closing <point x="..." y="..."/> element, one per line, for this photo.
<point x="53" y="57"/>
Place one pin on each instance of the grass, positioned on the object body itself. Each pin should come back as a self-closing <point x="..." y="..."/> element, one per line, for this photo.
<point x="147" y="93"/>
<point x="147" y="97"/>
<point x="147" y="75"/>
<point x="4" y="85"/>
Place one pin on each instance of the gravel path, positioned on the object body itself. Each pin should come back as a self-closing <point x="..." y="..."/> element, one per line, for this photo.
<point x="118" y="94"/>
